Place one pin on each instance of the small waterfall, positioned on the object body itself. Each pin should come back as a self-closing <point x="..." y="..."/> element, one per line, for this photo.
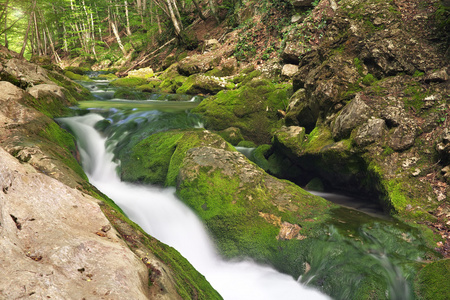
<point x="162" y="215"/>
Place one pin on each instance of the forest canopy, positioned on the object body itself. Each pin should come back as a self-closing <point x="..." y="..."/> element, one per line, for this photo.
<point x="88" y="27"/>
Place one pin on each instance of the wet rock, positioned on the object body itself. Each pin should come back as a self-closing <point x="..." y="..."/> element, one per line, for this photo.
<point x="370" y="132"/>
<point x="351" y="116"/>
<point x="56" y="238"/>
<point x="289" y="70"/>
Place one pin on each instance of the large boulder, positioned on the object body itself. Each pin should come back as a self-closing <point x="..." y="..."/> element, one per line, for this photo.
<point x="157" y="158"/>
<point x="202" y="84"/>
<point x="253" y="108"/>
<point x="56" y="242"/>
<point x="353" y="115"/>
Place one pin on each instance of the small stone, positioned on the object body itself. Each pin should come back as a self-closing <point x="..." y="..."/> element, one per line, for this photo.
<point x="416" y="172"/>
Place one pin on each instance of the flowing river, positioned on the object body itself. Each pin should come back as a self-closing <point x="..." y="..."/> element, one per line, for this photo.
<point x="161" y="214"/>
<point x="363" y="248"/>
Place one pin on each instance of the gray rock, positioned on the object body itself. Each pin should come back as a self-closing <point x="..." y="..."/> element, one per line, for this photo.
<point x="370" y="132"/>
<point x="27" y="73"/>
<point x="438" y="76"/>
<point x="292" y="52"/>
<point x="403" y="136"/>
<point x="352" y="115"/>
<point x="50" y="247"/>
<point x="443" y="145"/>
<point x="47" y="90"/>
<point x="10" y="108"/>
<point x="393" y="115"/>
<point x="289" y="70"/>
<point x="302" y="111"/>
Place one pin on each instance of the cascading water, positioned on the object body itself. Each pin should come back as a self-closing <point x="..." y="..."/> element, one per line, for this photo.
<point x="162" y="215"/>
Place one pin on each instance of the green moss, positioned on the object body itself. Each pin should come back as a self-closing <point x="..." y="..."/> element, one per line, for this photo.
<point x="199" y="84"/>
<point x="260" y="155"/>
<point x="76" y="91"/>
<point x="315" y="185"/>
<point x="77" y="70"/>
<point x="157" y="158"/>
<point x="63" y="148"/>
<point x="432" y="281"/>
<point x="129" y="82"/>
<point x="318" y="138"/>
<point x="150" y="159"/>
<point x="246" y="144"/>
<point x="149" y="87"/>
<point x="74" y="76"/>
<point x="368" y="79"/>
<point x="252" y="108"/>
<point x="109" y="76"/>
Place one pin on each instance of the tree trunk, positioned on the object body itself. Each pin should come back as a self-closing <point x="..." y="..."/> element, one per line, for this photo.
<point x="128" y="19"/>
<point x="174" y="19"/>
<point x="119" y="41"/>
<point x="25" y="39"/>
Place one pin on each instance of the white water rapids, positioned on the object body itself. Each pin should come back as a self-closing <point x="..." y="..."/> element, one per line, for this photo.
<point x="161" y="214"/>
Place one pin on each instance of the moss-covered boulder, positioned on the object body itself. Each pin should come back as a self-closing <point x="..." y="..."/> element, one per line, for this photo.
<point x="129" y="82"/>
<point x="253" y="108"/>
<point x="157" y="159"/>
<point x="202" y="84"/>
<point x="51" y="99"/>
<point x="432" y="280"/>
<point x="75" y="76"/>
<point x="171" y="80"/>
<point x="145" y="73"/>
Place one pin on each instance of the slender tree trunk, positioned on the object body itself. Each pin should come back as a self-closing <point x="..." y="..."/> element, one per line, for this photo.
<point x="66" y="46"/>
<point x="37" y="35"/>
<point x="119" y="41"/>
<point x="25" y="39"/>
<point x="6" y="23"/>
<point x="128" y="18"/>
<point x="173" y="17"/>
